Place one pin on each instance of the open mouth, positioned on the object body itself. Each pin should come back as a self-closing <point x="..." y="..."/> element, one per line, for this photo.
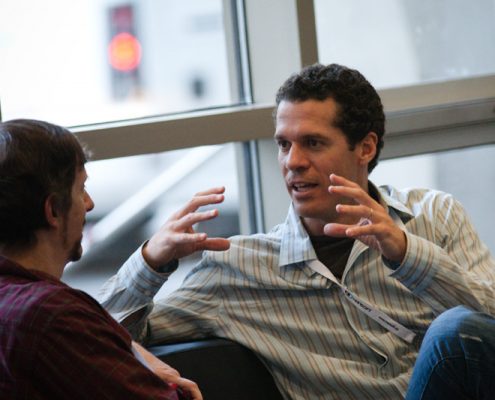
<point x="303" y="187"/>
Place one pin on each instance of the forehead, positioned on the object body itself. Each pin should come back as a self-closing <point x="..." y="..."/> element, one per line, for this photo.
<point x="81" y="175"/>
<point x="309" y="116"/>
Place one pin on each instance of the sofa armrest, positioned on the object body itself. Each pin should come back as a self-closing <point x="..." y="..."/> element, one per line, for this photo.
<point x="222" y="369"/>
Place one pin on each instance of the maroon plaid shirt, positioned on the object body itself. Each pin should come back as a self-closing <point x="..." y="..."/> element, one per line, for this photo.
<point x="58" y="343"/>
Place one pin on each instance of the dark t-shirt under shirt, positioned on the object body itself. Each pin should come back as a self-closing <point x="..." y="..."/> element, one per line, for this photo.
<point x="333" y="252"/>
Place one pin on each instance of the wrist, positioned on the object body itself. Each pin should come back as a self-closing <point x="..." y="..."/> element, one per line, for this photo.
<point x="161" y="266"/>
<point x="169" y="267"/>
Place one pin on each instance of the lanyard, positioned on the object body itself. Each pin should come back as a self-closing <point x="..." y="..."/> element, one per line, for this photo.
<point x="372" y="312"/>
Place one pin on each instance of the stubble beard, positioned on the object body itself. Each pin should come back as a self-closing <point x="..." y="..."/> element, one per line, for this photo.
<point x="75" y="252"/>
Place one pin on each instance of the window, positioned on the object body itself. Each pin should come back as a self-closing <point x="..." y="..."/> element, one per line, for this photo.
<point x="134" y="196"/>
<point x="207" y="72"/>
<point x="400" y="42"/>
<point x="82" y="62"/>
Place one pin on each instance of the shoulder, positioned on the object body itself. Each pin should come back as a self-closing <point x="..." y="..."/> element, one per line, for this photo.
<point x="248" y="257"/>
<point x="433" y="214"/>
<point x="44" y="313"/>
<point x="248" y="246"/>
<point x="33" y="300"/>
<point x="40" y="304"/>
<point x="421" y="198"/>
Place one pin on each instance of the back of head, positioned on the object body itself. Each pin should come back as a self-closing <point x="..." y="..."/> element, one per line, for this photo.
<point x="360" y="109"/>
<point x="37" y="159"/>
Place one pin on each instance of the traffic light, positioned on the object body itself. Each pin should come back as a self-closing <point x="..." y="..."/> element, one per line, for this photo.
<point x="124" y="53"/>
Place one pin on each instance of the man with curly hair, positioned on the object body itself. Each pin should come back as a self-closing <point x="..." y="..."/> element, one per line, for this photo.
<point x="337" y="299"/>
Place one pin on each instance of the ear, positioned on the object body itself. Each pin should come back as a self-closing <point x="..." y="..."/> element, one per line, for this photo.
<point x="51" y="214"/>
<point x="367" y="148"/>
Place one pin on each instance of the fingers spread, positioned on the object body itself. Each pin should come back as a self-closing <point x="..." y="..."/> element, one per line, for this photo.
<point x="189" y="219"/>
<point x="201" y="242"/>
<point x="216" y="244"/>
<point x="200" y="201"/>
<point x="216" y="190"/>
<point x="357" y="211"/>
<point x="177" y="237"/>
<point x="361" y="230"/>
<point x="341" y="181"/>
<point x="335" y="230"/>
<point x="355" y="193"/>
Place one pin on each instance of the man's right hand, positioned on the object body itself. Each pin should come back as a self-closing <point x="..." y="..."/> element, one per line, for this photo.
<point x="177" y="238"/>
<point x="168" y="374"/>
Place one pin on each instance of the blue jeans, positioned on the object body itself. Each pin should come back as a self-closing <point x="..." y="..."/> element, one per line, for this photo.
<point x="456" y="359"/>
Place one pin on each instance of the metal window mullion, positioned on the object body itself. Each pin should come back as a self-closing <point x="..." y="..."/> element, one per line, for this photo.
<point x="281" y="39"/>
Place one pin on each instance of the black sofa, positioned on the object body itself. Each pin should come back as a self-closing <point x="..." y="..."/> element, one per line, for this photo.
<point x="222" y="369"/>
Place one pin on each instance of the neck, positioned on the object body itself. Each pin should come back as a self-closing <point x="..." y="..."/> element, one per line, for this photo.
<point x="40" y="257"/>
<point x="314" y="226"/>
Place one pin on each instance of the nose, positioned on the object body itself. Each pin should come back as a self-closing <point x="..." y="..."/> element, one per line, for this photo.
<point x="89" y="202"/>
<point x="296" y="158"/>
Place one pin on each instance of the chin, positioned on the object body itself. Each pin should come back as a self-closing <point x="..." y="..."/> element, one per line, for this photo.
<point x="76" y="252"/>
<point x="304" y="211"/>
<point x="312" y="211"/>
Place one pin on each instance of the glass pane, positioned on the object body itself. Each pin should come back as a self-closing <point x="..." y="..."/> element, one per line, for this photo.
<point x="79" y="62"/>
<point x="468" y="174"/>
<point x="403" y="42"/>
<point x="134" y="196"/>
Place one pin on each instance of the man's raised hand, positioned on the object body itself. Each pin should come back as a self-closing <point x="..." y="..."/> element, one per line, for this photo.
<point x="177" y="238"/>
<point x="375" y="227"/>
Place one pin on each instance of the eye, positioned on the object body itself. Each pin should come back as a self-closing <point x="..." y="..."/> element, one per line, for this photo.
<point x="283" y="144"/>
<point x="313" y="143"/>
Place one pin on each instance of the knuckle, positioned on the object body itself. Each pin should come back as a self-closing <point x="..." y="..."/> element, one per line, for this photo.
<point x="192" y="203"/>
<point x="189" y="217"/>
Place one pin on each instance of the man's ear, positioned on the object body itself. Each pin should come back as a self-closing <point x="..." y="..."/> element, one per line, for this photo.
<point x="52" y="215"/>
<point x="367" y="148"/>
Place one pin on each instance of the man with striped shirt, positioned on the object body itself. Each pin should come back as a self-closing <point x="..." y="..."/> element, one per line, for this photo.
<point x="337" y="299"/>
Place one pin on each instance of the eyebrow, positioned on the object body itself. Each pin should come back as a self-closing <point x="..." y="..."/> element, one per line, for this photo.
<point x="304" y="136"/>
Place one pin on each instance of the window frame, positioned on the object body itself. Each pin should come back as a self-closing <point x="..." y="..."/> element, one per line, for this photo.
<point x="420" y="118"/>
<point x="438" y="108"/>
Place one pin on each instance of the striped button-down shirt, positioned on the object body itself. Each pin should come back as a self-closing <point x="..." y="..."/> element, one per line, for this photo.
<point x="263" y="294"/>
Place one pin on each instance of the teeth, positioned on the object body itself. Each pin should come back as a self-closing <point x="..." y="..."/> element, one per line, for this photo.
<point x="302" y="186"/>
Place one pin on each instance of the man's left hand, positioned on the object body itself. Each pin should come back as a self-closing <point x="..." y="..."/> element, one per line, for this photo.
<point x="375" y="227"/>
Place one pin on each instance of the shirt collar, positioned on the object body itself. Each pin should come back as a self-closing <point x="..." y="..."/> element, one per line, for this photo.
<point x="296" y="244"/>
<point x="385" y="198"/>
<point x="9" y="267"/>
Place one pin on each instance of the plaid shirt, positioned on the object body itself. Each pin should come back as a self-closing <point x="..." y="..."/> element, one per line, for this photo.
<point x="263" y="294"/>
<point x="58" y="343"/>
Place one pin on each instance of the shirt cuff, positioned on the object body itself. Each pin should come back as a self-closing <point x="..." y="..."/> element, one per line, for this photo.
<point x="393" y="265"/>
<point x="169" y="267"/>
<point x="419" y="265"/>
<point x="165" y="269"/>
<point x="141" y="279"/>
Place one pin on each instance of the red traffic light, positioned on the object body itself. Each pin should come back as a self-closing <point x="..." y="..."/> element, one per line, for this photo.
<point x="124" y="52"/>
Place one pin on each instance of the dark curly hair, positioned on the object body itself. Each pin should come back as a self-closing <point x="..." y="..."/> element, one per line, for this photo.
<point x="360" y="109"/>
<point x="37" y="159"/>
